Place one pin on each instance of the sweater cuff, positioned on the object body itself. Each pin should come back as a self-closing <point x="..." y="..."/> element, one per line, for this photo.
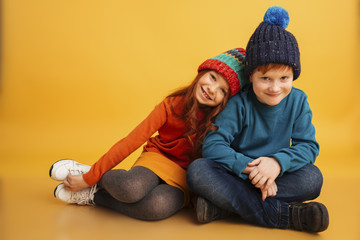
<point x="284" y="162"/>
<point x="89" y="179"/>
<point x="239" y="166"/>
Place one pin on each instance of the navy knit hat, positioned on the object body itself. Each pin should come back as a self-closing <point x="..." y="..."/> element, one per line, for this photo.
<point x="271" y="43"/>
<point x="230" y="65"/>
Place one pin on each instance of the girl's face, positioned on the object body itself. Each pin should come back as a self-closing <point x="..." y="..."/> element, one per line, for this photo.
<point x="211" y="89"/>
<point x="273" y="86"/>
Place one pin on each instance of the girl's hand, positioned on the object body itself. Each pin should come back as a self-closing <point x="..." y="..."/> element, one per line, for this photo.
<point x="75" y="182"/>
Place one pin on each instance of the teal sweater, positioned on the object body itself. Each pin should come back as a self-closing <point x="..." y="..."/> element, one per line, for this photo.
<point x="249" y="129"/>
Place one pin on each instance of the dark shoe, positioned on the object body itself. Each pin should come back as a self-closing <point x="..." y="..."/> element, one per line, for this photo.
<point x="207" y="212"/>
<point x="308" y="217"/>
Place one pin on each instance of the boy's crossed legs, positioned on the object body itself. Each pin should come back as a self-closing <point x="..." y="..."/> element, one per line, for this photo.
<point x="235" y="195"/>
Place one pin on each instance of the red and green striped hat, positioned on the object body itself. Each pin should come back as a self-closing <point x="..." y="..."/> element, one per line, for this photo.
<point x="230" y="65"/>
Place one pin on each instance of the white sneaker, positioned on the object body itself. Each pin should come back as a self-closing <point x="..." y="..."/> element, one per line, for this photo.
<point x="60" y="169"/>
<point x="82" y="197"/>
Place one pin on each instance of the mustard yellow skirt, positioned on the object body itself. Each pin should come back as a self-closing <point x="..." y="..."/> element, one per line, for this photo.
<point x="167" y="170"/>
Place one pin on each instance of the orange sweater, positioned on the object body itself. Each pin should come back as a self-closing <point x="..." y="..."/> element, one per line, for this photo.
<point x="170" y="140"/>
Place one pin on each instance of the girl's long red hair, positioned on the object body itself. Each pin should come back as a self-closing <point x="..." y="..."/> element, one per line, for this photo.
<point x="190" y="115"/>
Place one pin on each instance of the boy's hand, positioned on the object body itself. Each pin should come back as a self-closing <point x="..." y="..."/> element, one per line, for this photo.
<point x="270" y="192"/>
<point x="266" y="170"/>
<point x="75" y="182"/>
<point x="248" y="170"/>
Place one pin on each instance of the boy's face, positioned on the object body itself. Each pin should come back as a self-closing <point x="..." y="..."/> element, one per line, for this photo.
<point x="273" y="86"/>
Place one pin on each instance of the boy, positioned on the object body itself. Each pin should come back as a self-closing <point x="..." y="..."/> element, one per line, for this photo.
<point x="258" y="164"/>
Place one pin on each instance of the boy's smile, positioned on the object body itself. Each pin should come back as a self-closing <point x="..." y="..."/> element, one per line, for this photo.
<point x="273" y="86"/>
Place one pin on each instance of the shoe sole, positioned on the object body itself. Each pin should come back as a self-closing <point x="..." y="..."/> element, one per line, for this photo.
<point x="205" y="208"/>
<point x="200" y="204"/>
<point x="55" y="191"/>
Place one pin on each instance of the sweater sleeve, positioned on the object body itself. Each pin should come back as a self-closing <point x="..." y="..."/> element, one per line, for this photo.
<point x="304" y="148"/>
<point x="217" y="144"/>
<point x="127" y="145"/>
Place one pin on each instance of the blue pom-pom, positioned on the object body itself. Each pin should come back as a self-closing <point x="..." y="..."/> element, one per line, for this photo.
<point x="277" y="16"/>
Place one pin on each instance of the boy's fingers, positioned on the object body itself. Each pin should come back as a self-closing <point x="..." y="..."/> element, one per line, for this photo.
<point x="254" y="163"/>
<point x="253" y="174"/>
<point x="256" y="179"/>
<point x="268" y="184"/>
<point x="248" y="170"/>
<point x="264" y="195"/>
<point x="261" y="183"/>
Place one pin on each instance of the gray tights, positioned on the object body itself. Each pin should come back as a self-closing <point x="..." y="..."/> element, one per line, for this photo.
<point x="138" y="193"/>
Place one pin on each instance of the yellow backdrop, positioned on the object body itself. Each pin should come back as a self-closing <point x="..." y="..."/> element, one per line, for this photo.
<point x="76" y="76"/>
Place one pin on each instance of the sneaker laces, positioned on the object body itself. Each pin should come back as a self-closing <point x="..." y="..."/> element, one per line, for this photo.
<point x="85" y="196"/>
<point x="77" y="170"/>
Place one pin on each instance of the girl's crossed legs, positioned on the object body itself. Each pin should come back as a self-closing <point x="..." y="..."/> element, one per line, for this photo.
<point x="138" y="193"/>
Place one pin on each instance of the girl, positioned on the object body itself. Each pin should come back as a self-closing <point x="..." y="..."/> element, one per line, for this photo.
<point x="155" y="187"/>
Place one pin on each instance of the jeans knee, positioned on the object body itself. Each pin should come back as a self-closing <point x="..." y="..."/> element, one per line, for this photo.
<point x="194" y="172"/>
<point x="317" y="181"/>
<point x="313" y="181"/>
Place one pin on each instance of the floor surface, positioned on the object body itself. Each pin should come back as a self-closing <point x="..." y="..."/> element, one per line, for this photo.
<point x="29" y="211"/>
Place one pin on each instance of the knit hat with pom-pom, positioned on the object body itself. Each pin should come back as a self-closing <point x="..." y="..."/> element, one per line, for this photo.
<point x="271" y="43"/>
<point x="230" y="65"/>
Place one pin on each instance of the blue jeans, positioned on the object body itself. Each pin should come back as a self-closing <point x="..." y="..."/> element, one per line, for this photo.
<point x="233" y="194"/>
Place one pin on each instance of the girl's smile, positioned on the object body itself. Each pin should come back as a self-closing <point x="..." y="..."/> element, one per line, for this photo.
<point x="205" y="95"/>
<point x="211" y="89"/>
